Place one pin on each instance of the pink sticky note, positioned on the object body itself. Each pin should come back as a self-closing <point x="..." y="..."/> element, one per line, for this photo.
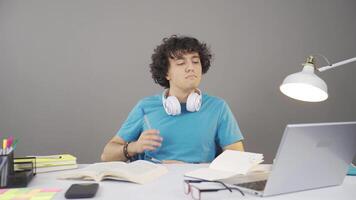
<point x="3" y="191"/>
<point x="50" y="190"/>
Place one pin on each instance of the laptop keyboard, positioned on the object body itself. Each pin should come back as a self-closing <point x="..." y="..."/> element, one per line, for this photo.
<point x="258" y="185"/>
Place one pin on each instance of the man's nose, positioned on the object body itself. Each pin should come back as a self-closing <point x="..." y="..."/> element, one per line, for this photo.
<point x="189" y="67"/>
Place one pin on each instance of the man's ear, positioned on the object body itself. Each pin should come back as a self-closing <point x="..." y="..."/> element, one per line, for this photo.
<point x="167" y="77"/>
<point x="167" y="74"/>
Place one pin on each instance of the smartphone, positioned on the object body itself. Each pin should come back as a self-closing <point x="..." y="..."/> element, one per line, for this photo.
<point x="83" y="190"/>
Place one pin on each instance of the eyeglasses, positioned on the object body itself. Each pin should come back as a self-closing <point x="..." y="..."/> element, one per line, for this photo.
<point x="196" y="192"/>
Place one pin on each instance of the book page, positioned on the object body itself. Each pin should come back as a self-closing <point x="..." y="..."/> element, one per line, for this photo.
<point x="139" y="171"/>
<point x="91" y="172"/>
<point x="261" y="168"/>
<point x="258" y="173"/>
<point x="238" y="162"/>
<point x="79" y="174"/>
<point x="228" y="164"/>
<point x="137" y="167"/>
<point x="209" y="174"/>
<point x="105" y="166"/>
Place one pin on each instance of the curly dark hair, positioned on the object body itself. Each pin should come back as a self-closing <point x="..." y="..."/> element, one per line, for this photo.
<point x="175" y="47"/>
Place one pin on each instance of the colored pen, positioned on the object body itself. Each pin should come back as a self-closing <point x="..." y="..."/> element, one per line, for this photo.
<point x="155" y="160"/>
<point x="10" y="140"/>
<point x="4" y="144"/>
<point x="9" y="150"/>
<point x="15" y="143"/>
<point x="152" y="159"/>
<point x="147" y="122"/>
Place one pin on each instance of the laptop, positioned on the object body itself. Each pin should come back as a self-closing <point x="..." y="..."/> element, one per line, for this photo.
<point x="309" y="156"/>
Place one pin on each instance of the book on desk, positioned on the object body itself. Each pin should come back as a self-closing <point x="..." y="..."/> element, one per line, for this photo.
<point x="233" y="165"/>
<point x="47" y="163"/>
<point x="139" y="171"/>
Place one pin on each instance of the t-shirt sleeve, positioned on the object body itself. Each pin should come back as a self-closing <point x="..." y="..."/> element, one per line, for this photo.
<point x="228" y="130"/>
<point x="133" y="125"/>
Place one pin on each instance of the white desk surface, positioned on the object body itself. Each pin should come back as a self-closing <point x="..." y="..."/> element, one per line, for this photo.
<point x="170" y="186"/>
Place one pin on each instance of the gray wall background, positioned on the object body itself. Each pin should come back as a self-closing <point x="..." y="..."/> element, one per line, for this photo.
<point x="70" y="71"/>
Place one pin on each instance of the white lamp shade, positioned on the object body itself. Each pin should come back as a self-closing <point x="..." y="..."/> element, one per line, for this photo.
<point x="305" y="86"/>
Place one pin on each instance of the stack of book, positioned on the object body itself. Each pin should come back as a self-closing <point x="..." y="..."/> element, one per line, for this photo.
<point x="48" y="163"/>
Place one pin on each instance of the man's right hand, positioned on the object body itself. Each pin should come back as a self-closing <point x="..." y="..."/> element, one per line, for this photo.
<point x="148" y="140"/>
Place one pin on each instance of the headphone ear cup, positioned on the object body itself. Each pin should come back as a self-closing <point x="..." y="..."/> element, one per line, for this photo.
<point x="193" y="102"/>
<point x="172" y="106"/>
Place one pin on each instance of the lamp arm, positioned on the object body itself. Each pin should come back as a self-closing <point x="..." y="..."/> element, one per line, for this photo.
<point x="321" y="69"/>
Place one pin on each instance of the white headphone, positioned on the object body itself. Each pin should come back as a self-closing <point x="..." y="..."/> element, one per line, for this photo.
<point x="172" y="105"/>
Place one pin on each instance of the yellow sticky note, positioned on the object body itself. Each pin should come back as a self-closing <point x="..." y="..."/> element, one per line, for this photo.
<point x="28" y="194"/>
<point x="43" y="196"/>
<point x="11" y="191"/>
<point x="33" y="192"/>
<point x="8" y="194"/>
<point x="21" y="197"/>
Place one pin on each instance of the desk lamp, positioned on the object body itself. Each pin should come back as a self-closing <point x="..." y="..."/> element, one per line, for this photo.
<point x="305" y="85"/>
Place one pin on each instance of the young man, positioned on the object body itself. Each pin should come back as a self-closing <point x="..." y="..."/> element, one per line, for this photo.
<point x="182" y="124"/>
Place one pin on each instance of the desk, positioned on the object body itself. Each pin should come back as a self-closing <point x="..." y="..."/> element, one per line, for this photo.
<point x="170" y="186"/>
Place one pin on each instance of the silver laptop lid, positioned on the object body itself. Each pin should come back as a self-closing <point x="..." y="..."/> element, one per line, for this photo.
<point x="312" y="156"/>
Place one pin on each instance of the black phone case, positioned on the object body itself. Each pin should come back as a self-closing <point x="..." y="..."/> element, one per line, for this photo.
<point x="85" y="190"/>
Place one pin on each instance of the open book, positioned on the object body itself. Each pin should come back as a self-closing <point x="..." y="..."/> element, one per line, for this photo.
<point x="230" y="164"/>
<point x="139" y="171"/>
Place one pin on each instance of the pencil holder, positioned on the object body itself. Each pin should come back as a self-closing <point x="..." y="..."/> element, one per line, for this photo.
<point x="11" y="178"/>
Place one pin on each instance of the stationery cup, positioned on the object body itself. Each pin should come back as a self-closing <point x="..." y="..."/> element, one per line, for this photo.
<point x="6" y="168"/>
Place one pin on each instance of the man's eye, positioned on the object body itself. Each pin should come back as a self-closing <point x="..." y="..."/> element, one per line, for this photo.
<point x="180" y="63"/>
<point x="196" y="61"/>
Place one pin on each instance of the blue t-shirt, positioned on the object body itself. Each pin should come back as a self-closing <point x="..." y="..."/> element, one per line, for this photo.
<point x="191" y="136"/>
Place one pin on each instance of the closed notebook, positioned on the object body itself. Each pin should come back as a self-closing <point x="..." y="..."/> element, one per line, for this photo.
<point x="55" y="168"/>
<point x="139" y="171"/>
<point x="47" y="163"/>
<point x="50" y="160"/>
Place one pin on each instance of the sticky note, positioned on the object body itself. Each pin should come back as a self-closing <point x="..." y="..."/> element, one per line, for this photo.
<point x="3" y="191"/>
<point x="50" y="190"/>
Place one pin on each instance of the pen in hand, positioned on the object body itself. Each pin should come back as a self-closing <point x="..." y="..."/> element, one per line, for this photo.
<point x="147" y="122"/>
<point x="152" y="159"/>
